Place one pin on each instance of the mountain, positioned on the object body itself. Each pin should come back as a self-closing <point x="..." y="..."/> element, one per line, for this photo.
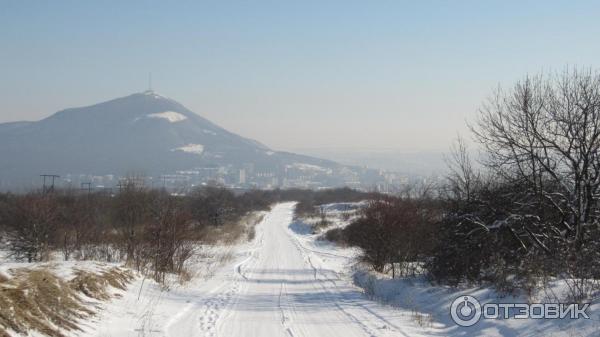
<point x="151" y="134"/>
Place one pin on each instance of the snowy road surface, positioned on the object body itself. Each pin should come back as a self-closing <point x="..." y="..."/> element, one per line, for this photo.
<point x="278" y="290"/>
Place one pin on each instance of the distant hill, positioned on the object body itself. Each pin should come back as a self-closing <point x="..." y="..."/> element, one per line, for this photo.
<point x="148" y="133"/>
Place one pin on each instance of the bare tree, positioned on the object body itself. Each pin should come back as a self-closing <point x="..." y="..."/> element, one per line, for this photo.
<point x="535" y="210"/>
<point x="77" y="222"/>
<point x="544" y="134"/>
<point x="392" y="232"/>
<point x="463" y="177"/>
<point x="131" y="211"/>
<point x="30" y="223"/>
<point x="167" y="236"/>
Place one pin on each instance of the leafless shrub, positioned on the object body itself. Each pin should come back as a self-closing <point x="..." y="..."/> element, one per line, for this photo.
<point x="30" y="222"/>
<point x="131" y="211"/>
<point x="392" y="231"/>
<point x="337" y="235"/>
<point x="167" y="235"/>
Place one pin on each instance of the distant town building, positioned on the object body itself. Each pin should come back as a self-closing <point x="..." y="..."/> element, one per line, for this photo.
<point x="242" y="179"/>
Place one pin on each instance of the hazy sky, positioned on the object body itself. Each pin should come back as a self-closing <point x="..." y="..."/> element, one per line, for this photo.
<point x="291" y="74"/>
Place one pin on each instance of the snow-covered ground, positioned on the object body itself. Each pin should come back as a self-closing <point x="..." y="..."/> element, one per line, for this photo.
<point x="430" y="304"/>
<point x="279" y="284"/>
<point x="289" y="282"/>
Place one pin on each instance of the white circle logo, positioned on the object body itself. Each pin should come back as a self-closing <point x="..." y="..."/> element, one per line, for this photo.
<point x="465" y="310"/>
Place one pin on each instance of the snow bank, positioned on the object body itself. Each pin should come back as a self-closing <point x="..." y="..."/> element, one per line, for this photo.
<point x="431" y="303"/>
<point x="418" y="294"/>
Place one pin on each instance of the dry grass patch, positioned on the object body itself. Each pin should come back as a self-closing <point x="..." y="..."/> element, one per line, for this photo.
<point x="232" y="232"/>
<point x="38" y="300"/>
<point x="227" y="233"/>
<point x="97" y="285"/>
<point x="251" y="223"/>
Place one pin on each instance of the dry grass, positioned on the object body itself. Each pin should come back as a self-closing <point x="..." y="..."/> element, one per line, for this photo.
<point x="423" y="320"/>
<point x="184" y="276"/>
<point x="227" y="233"/>
<point x="37" y="300"/>
<point x="230" y="233"/>
<point x="98" y="285"/>
<point x="251" y="221"/>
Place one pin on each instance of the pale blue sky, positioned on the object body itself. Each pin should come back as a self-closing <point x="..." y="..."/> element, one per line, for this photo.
<point x="303" y="74"/>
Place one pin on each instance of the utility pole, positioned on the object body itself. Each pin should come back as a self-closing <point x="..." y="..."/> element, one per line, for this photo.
<point x="121" y="186"/>
<point x="48" y="189"/>
<point x="87" y="186"/>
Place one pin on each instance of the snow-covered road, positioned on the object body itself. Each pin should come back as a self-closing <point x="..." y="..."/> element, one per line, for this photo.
<point x="282" y="289"/>
<point x="286" y="282"/>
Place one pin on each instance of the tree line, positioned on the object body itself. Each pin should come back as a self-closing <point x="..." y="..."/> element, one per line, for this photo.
<point x="525" y="212"/>
<point x="149" y="229"/>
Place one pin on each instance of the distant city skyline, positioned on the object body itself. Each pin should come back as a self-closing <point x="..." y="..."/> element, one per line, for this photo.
<point x="337" y="74"/>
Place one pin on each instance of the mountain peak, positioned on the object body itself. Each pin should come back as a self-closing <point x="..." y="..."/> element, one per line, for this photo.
<point x="151" y="94"/>
<point x="146" y="132"/>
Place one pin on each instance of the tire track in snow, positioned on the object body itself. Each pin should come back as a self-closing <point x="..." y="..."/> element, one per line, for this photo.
<point x="285" y="317"/>
<point x="306" y="252"/>
<point x="284" y="304"/>
<point x="212" y="308"/>
<point x="217" y="308"/>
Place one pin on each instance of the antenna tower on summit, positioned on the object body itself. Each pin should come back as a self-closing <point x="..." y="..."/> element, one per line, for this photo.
<point x="149" y="81"/>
